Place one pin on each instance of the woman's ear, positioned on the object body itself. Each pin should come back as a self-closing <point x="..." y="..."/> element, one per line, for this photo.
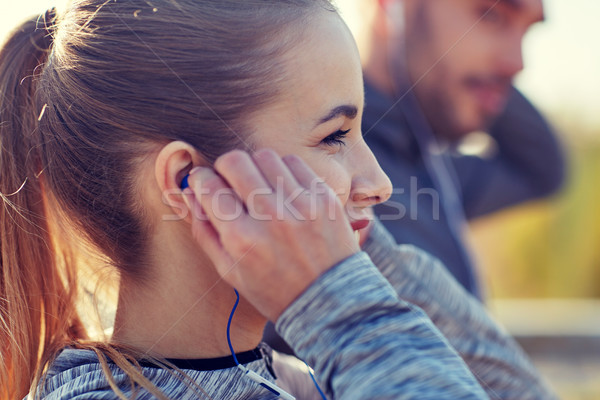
<point x="173" y="162"/>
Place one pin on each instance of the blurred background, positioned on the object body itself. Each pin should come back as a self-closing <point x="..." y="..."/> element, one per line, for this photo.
<point x="540" y="261"/>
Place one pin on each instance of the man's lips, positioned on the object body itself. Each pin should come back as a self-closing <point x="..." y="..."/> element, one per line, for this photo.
<point x="492" y="99"/>
<point x="491" y="93"/>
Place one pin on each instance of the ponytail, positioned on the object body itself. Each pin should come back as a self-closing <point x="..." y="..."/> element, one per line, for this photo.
<point x="37" y="281"/>
<point x="87" y="109"/>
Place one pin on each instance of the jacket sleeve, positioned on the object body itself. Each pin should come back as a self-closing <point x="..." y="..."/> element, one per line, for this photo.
<point x="494" y="358"/>
<point x="365" y="343"/>
<point x="528" y="162"/>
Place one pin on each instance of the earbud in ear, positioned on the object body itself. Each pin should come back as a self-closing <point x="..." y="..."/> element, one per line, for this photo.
<point x="184" y="182"/>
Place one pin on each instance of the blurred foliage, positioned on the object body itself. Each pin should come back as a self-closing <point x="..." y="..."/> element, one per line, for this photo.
<point x="548" y="248"/>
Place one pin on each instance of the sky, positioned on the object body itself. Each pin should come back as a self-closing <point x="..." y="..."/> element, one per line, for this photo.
<point x="562" y="55"/>
<point x="562" y="60"/>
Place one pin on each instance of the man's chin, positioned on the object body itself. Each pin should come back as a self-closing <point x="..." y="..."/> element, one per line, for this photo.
<point x="452" y="136"/>
<point x="457" y="131"/>
<point x="453" y="123"/>
<point x="485" y="121"/>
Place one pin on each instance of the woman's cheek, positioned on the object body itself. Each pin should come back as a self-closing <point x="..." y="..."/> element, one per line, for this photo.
<point x="340" y="183"/>
<point x="333" y="172"/>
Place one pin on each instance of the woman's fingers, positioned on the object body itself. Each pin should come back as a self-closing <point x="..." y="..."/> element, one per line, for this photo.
<point x="242" y="174"/>
<point x="276" y="172"/>
<point x="279" y="251"/>
<point x="218" y="200"/>
<point x="204" y="232"/>
<point x="235" y="229"/>
<point x="245" y="178"/>
<point x="303" y="174"/>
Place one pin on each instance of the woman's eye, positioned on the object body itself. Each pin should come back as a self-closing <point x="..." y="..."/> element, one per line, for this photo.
<point x="336" y="138"/>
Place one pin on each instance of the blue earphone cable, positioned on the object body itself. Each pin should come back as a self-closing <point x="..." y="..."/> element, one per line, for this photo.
<point x="315" y="382"/>
<point x="237" y="300"/>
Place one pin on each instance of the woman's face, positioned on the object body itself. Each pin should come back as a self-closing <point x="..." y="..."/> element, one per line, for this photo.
<point x="318" y="116"/>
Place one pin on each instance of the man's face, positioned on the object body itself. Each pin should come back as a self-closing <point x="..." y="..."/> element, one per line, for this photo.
<point x="462" y="55"/>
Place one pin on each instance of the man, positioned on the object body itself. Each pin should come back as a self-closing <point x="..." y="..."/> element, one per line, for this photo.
<point x="435" y="71"/>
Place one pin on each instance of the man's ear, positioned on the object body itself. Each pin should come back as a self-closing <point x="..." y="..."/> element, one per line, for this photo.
<point x="173" y="162"/>
<point x="394" y="17"/>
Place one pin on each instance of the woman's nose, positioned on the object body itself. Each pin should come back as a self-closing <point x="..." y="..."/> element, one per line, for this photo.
<point x="370" y="185"/>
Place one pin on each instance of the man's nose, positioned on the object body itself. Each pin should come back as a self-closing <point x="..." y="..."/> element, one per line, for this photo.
<point x="511" y="55"/>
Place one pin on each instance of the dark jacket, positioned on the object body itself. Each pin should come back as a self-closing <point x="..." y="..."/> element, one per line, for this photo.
<point x="527" y="164"/>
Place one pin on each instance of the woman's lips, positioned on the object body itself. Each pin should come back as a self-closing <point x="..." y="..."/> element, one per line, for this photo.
<point x="360" y="224"/>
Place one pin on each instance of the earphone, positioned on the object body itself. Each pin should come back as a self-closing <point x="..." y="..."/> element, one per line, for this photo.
<point x="184" y="182"/>
<point x="271" y="387"/>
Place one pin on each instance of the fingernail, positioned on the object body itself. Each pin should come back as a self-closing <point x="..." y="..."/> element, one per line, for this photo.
<point x="195" y="170"/>
<point x="185" y="182"/>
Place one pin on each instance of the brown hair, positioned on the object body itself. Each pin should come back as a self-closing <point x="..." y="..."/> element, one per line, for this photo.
<point x="83" y="99"/>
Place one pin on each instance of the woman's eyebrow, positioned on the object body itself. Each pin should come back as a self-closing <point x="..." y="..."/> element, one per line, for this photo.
<point x="346" y="110"/>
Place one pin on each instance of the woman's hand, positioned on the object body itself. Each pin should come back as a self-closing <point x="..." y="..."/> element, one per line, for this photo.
<point x="269" y="224"/>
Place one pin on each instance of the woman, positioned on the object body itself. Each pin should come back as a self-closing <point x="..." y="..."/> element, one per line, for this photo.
<point x="106" y="115"/>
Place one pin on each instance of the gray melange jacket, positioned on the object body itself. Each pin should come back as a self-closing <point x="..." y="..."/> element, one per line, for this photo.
<point x="387" y="323"/>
